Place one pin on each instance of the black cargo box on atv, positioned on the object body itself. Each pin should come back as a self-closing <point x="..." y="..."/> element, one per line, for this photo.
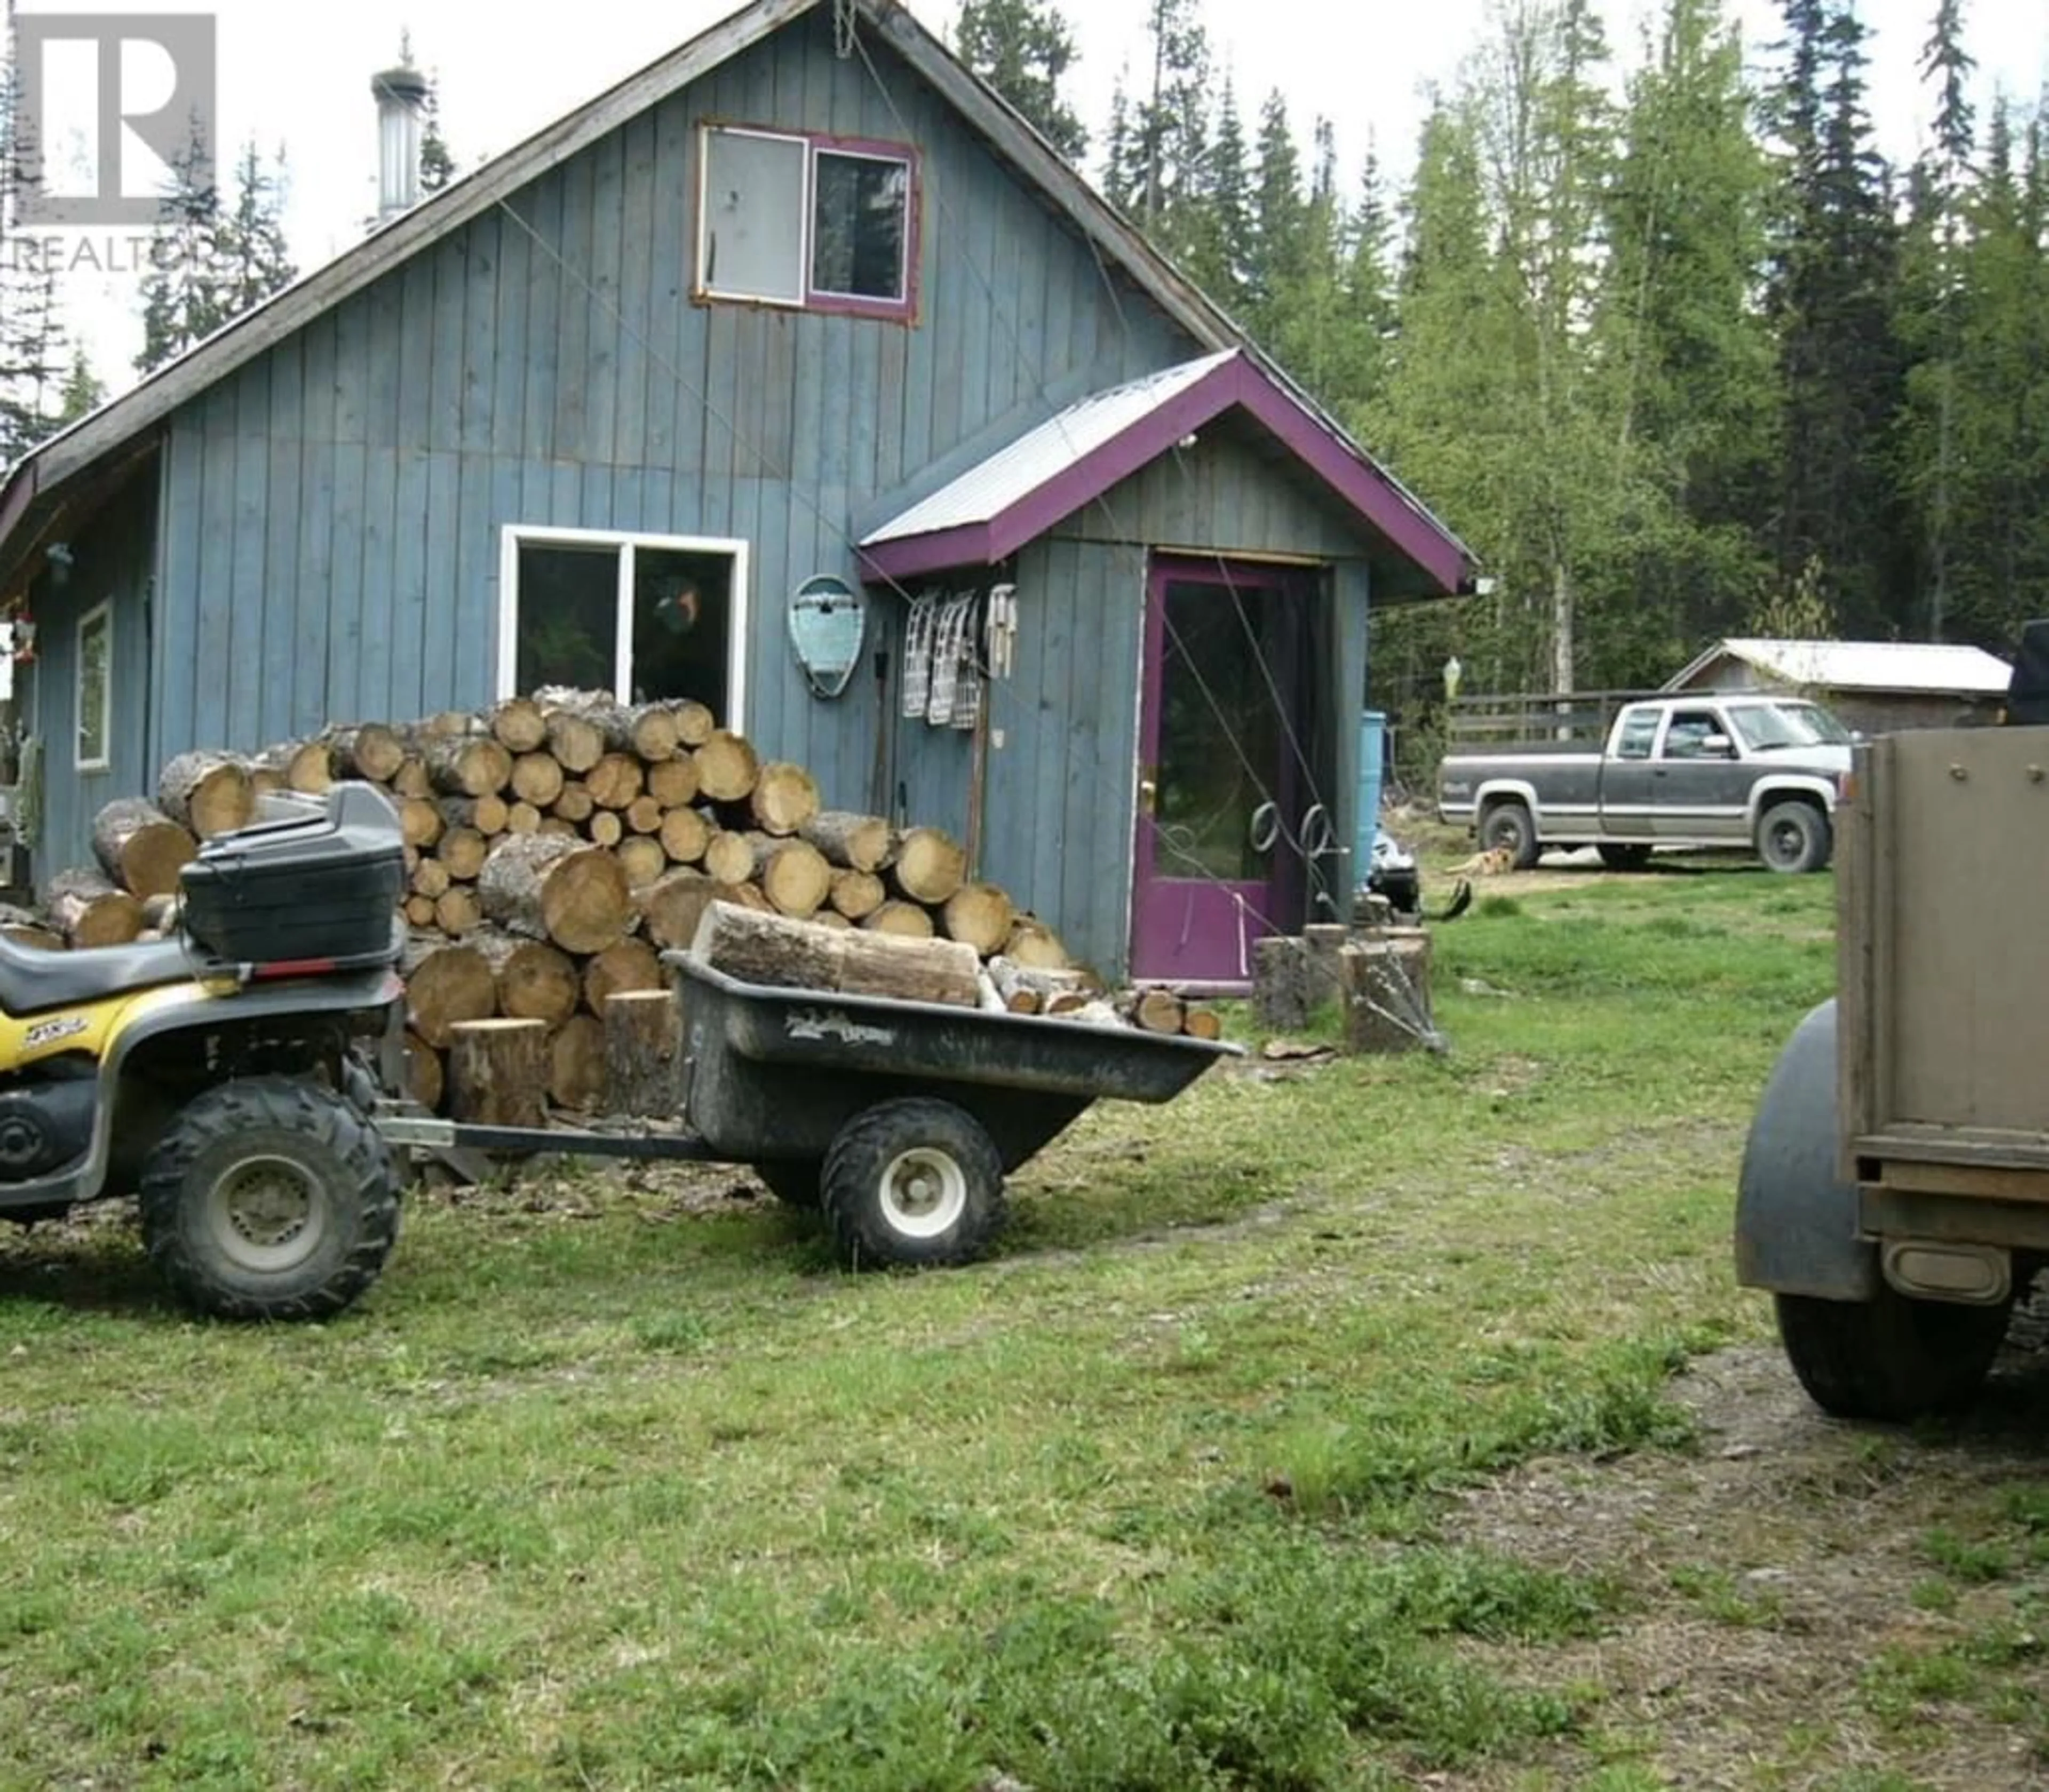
<point x="312" y="879"/>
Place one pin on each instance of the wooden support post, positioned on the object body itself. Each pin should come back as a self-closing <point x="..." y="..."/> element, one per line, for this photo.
<point x="498" y="1072"/>
<point x="643" y="1054"/>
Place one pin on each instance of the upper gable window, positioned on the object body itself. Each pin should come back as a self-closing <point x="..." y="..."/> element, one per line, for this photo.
<point x="821" y="222"/>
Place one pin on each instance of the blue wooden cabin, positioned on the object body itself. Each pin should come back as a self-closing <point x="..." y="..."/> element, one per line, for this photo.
<point x="799" y="308"/>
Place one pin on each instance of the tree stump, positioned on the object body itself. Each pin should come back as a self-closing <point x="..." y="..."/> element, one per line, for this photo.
<point x="1322" y="941"/>
<point x="206" y="793"/>
<point x="1281" y="984"/>
<point x="498" y="1073"/>
<point x="643" y="1054"/>
<point x="141" y="848"/>
<point x="576" y="1068"/>
<point x="1386" y="983"/>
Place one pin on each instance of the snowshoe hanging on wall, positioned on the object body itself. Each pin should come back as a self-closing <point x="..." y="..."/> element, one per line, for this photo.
<point x="828" y="622"/>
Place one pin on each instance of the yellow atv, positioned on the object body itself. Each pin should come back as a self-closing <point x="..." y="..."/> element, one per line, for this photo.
<point x="225" y="1075"/>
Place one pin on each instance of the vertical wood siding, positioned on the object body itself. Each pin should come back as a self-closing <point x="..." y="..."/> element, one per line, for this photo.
<point x="334" y="510"/>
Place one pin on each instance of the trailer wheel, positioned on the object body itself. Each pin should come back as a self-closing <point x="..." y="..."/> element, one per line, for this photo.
<point x="1891" y="1357"/>
<point x="915" y="1183"/>
<point x="1507" y="827"/>
<point x="270" y="1199"/>
<point x="794" y="1181"/>
<point x="1794" y="837"/>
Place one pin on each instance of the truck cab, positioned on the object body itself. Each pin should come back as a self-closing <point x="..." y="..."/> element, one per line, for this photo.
<point x="1744" y="770"/>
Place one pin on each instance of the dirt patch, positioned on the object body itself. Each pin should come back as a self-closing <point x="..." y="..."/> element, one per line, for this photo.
<point x="1777" y="1578"/>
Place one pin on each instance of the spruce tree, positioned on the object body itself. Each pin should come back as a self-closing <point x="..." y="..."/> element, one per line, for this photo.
<point x="1024" y="49"/>
<point x="437" y="164"/>
<point x="32" y="337"/>
<point x="184" y="296"/>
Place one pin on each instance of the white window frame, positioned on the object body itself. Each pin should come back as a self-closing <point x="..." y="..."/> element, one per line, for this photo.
<point x="514" y="536"/>
<point x="103" y="613"/>
<point x="902" y="309"/>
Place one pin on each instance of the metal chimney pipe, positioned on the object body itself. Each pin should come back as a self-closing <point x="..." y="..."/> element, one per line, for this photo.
<point x="401" y="95"/>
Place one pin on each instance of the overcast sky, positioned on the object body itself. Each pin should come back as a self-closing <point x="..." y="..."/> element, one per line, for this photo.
<point x="299" y="74"/>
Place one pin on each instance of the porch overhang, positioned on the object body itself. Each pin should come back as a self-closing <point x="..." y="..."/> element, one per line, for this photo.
<point x="988" y="513"/>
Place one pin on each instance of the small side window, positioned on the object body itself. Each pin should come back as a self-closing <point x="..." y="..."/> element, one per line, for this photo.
<point x="95" y="688"/>
<point x="1639" y="728"/>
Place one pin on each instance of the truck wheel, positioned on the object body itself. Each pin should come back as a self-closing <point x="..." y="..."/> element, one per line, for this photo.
<point x="270" y="1199"/>
<point x="1618" y="857"/>
<point x="915" y="1182"/>
<point x="792" y="1181"/>
<point x="1794" y="837"/>
<point x="1892" y="1358"/>
<point x="1508" y="828"/>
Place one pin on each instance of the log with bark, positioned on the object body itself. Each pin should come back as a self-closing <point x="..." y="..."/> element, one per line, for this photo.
<point x="206" y="793"/>
<point x="783" y="953"/>
<point x="484" y="814"/>
<point x="457" y="911"/>
<point x="430" y="879"/>
<point x="498" y="1072"/>
<point x="614" y="780"/>
<point x="583" y="727"/>
<point x="859" y="842"/>
<point x="549" y="887"/>
<point x="1151" y="1010"/>
<point x="1032" y="943"/>
<point x="929" y="866"/>
<point x="141" y="848"/>
<point x="88" y="910"/>
<point x="604" y="827"/>
<point x="727" y="766"/>
<point x="981" y="914"/>
<point x="470" y="765"/>
<point x="413" y="778"/>
<point x="575" y="804"/>
<point x="420" y="822"/>
<point x="426" y="1075"/>
<point x="535" y="981"/>
<point x="643" y="815"/>
<point x="463" y="850"/>
<point x="673" y="782"/>
<point x="1034" y="989"/>
<point x="519" y="725"/>
<point x="642" y="859"/>
<point x="684" y="835"/>
<point x="306" y="766"/>
<point x="795" y="878"/>
<point x="907" y="920"/>
<point x="446" y="981"/>
<point x="651" y="734"/>
<point x="727" y="857"/>
<point x="784" y="797"/>
<point x="368" y="750"/>
<point x="537" y="778"/>
<point x="856" y="895"/>
<point x="673" y="904"/>
<point x="643" y="1054"/>
<point x="522" y="817"/>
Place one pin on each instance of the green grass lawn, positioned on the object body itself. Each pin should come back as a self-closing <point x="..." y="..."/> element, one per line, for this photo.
<point x="605" y="1486"/>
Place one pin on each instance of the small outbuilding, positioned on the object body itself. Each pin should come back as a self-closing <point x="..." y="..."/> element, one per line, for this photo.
<point x="1877" y="687"/>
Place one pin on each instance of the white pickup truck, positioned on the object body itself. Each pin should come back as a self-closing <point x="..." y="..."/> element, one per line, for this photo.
<point x="1748" y="771"/>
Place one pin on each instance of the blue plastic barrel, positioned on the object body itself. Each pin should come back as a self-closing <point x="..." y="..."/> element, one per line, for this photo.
<point x="1372" y="761"/>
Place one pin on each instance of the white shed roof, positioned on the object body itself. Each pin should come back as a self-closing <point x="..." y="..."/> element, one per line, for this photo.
<point x="1007" y="477"/>
<point x="1940" y="668"/>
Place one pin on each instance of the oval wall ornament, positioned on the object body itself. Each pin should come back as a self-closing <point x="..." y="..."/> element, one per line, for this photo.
<point x="828" y="622"/>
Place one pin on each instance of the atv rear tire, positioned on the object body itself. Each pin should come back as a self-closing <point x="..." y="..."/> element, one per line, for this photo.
<point x="270" y="1199"/>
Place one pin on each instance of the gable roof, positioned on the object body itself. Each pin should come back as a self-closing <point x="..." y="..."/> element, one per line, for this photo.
<point x="1074" y="458"/>
<point x="1940" y="669"/>
<point x="150" y="402"/>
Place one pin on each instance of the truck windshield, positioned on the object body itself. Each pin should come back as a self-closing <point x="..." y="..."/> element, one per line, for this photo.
<point x="1766" y="725"/>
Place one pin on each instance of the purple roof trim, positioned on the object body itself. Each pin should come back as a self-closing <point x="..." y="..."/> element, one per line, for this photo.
<point x="1239" y="382"/>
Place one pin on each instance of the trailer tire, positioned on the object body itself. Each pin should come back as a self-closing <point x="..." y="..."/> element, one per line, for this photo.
<point x="916" y="1182"/>
<point x="270" y="1198"/>
<point x="1891" y="1357"/>
<point x="794" y="1181"/>
<point x="1794" y="837"/>
<point x="1507" y="826"/>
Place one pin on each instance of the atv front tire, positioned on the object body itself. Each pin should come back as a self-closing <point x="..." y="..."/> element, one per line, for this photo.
<point x="270" y="1199"/>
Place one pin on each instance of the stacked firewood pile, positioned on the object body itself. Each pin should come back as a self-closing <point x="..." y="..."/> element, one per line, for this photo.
<point x="556" y="844"/>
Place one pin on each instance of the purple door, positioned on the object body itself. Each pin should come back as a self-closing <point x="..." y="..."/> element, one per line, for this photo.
<point x="1223" y="729"/>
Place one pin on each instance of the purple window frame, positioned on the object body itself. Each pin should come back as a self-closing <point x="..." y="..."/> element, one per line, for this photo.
<point x="852" y="304"/>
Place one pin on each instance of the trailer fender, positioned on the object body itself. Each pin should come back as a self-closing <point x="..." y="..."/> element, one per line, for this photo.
<point x="1796" y="1220"/>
